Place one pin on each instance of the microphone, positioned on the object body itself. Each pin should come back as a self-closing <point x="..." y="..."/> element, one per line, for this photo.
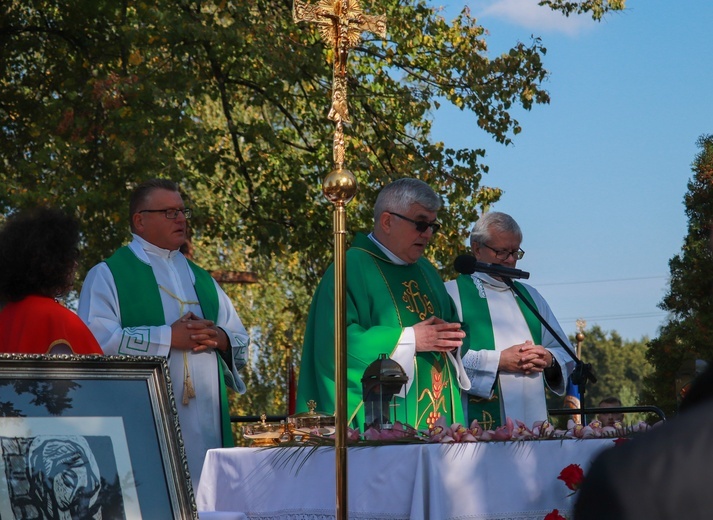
<point x="467" y="264"/>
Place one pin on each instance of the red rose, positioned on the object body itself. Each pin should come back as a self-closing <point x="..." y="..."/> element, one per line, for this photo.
<point x="572" y="476"/>
<point x="554" y="515"/>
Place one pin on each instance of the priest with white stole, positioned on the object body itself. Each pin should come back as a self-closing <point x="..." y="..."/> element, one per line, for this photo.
<point x="396" y="304"/>
<point x="512" y="355"/>
<point x="149" y="299"/>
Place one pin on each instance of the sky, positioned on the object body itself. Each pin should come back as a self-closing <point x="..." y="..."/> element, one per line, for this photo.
<point x="596" y="179"/>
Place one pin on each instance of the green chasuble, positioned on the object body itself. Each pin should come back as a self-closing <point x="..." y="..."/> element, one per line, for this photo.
<point x="140" y="304"/>
<point x="479" y="328"/>
<point x="382" y="298"/>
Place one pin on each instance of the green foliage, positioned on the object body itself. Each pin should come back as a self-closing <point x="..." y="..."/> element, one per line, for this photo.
<point x="230" y="98"/>
<point x="597" y="8"/>
<point x="687" y="333"/>
<point x="620" y="368"/>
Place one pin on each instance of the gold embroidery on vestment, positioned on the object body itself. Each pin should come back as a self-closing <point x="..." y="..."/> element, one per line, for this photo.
<point x="415" y="301"/>
<point x="436" y="399"/>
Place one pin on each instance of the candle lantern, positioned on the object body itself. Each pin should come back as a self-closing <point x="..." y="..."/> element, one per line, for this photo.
<point x="382" y="381"/>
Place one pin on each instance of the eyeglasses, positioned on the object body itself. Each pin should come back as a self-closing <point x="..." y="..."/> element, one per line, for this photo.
<point x="421" y="225"/>
<point x="503" y="254"/>
<point x="170" y="213"/>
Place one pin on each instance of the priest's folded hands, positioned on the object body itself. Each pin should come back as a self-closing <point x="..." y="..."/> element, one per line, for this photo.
<point x="436" y="334"/>
<point x="191" y="332"/>
<point x="525" y="357"/>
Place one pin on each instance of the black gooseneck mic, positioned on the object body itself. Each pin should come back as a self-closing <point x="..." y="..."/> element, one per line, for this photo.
<point x="467" y="264"/>
<point x="583" y="372"/>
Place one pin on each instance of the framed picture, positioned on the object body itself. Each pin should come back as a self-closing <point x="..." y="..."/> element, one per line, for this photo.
<point x="91" y="437"/>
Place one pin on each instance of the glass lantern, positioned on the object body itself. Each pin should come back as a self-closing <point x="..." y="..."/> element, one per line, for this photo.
<point x="382" y="381"/>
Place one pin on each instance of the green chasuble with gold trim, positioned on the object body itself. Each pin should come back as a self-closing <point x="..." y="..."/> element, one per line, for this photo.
<point x="479" y="328"/>
<point x="382" y="298"/>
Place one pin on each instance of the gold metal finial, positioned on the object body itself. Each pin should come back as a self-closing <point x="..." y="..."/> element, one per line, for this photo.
<point x="581" y="325"/>
<point x="340" y="23"/>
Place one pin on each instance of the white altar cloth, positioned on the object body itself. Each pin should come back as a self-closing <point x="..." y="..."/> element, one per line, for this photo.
<point x="470" y="481"/>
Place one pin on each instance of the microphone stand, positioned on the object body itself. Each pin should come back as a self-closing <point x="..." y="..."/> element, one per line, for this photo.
<point x="582" y="372"/>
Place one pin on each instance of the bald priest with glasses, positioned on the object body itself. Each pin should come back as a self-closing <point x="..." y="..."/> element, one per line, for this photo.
<point x="396" y="304"/>
<point x="149" y="299"/>
<point x="512" y="356"/>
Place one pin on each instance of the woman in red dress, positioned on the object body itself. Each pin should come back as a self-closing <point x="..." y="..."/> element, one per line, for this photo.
<point x="38" y="259"/>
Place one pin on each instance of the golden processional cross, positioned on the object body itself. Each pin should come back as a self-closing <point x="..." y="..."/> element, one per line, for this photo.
<point x="340" y="23"/>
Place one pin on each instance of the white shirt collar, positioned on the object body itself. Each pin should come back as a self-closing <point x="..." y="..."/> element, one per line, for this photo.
<point x="395" y="259"/>
<point x="154" y="249"/>
<point x="491" y="282"/>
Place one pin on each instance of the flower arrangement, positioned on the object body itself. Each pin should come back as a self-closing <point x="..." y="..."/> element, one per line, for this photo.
<point x="517" y="431"/>
<point x="510" y="431"/>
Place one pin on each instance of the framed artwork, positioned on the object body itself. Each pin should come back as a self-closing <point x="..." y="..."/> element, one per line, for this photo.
<point x="91" y="437"/>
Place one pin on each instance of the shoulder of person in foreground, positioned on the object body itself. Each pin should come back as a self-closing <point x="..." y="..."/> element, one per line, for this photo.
<point x="658" y="474"/>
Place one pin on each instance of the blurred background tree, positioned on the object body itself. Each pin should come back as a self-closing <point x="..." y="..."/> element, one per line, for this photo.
<point x="686" y="335"/>
<point x="229" y="98"/>
<point x="620" y="367"/>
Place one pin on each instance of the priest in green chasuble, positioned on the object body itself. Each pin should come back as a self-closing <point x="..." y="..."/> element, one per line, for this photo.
<point x="396" y="304"/>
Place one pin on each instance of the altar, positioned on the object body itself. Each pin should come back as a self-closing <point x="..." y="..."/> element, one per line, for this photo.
<point x="469" y="481"/>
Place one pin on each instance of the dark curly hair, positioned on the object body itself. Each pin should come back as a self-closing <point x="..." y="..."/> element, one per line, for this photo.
<point x="38" y="251"/>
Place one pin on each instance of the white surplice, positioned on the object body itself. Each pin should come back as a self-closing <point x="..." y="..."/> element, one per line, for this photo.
<point x="200" y="419"/>
<point x="522" y="396"/>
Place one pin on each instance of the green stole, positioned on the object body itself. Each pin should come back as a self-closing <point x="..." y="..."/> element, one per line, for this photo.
<point x="133" y="277"/>
<point x="414" y="299"/>
<point x="479" y="327"/>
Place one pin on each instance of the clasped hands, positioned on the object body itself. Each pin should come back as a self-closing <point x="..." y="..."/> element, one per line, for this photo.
<point x="191" y="332"/>
<point x="435" y="334"/>
<point x="526" y="358"/>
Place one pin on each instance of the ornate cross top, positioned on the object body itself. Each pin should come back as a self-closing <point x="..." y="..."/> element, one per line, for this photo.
<point x="341" y="23"/>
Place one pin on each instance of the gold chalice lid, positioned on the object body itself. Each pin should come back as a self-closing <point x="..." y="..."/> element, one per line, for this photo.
<point x="312" y="420"/>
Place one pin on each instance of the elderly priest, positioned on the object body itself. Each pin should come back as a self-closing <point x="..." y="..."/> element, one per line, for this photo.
<point x="396" y="304"/>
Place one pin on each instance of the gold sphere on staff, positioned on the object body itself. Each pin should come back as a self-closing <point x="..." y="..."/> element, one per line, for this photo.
<point x="339" y="186"/>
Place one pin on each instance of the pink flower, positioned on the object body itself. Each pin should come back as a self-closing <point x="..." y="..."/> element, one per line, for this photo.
<point x="458" y="431"/>
<point x="475" y="429"/>
<point x="487" y="435"/>
<point x="372" y="434"/>
<point x="468" y="437"/>
<point x="581" y="432"/>
<point x="520" y="431"/>
<point x="502" y="433"/>
<point x="542" y="429"/>
<point x="596" y="424"/>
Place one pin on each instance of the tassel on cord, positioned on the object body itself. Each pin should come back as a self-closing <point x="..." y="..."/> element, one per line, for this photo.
<point x="189" y="392"/>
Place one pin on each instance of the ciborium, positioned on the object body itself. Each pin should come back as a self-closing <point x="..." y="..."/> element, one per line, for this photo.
<point x="311" y="423"/>
<point x="264" y="433"/>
